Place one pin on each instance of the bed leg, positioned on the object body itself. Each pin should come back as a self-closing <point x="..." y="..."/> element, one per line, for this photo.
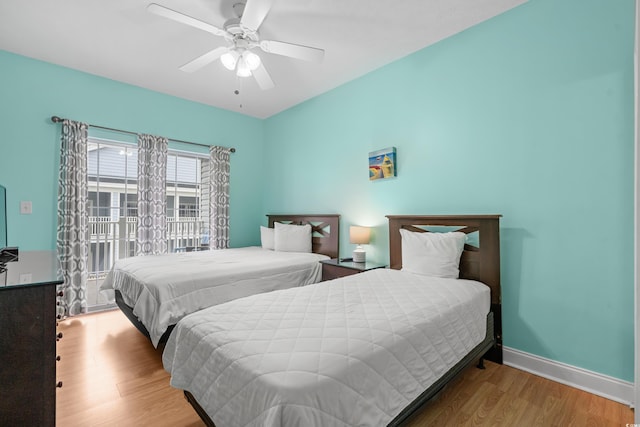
<point x="480" y="364"/>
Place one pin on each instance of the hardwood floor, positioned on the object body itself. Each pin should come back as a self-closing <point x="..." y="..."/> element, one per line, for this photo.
<point x="112" y="376"/>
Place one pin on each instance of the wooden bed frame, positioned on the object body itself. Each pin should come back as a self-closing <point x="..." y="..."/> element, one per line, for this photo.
<point x="477" y="263"/>
<point x="480" y="263"/>
<point x="325" y="235"/>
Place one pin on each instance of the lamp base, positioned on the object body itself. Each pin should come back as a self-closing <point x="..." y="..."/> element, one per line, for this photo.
<point x="359" y="255"/>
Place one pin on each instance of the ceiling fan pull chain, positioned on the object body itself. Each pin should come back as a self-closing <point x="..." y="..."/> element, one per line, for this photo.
<point x="239" y="92"/>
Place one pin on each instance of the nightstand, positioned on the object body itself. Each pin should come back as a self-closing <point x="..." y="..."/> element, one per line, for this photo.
<point x="334" y="268"/>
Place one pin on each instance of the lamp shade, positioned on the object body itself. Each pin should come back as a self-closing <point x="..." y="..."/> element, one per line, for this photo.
<point x="359" y="235"/>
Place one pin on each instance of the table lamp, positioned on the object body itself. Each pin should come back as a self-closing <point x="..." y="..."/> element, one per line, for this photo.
<point x="359" y="236"/>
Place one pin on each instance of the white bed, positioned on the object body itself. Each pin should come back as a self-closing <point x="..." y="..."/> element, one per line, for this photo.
<point x="155" y="292"/>
<point x="367" y="349"/>
<point x="163" y="289"/>
<point x="352" y="351"/>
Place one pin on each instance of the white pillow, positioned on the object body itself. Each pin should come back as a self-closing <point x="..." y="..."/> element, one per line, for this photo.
<point x="266" y="237"/>
<point x="432" y="254"/>
<point x="292" y="238"/>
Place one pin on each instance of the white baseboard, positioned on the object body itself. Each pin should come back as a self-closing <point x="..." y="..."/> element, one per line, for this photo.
<point x="592" y="382"/>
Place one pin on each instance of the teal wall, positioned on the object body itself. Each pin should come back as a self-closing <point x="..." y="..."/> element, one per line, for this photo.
<point x="33" y="91"/>
<point x="528" y="115"/>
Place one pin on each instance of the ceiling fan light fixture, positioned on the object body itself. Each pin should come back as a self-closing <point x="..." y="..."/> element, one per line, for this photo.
<point x="243" y="69"/>
<point x="251" y="59"/>
<point x="229" y="60"/>
<point x="242" y="35"/>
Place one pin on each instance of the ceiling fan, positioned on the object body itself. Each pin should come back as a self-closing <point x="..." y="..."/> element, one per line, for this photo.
<point x="242" y="34"/>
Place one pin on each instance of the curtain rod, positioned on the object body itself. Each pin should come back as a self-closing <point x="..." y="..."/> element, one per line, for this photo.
<point x="56" y="119"/>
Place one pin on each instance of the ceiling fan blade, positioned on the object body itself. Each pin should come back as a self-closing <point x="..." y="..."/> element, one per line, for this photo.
<point x="254" y="13"/>
<point x="263" y="78"/>
<point x="184" y="19"/>
<point x="203" y="60"/>
<point x="291" y="50"/>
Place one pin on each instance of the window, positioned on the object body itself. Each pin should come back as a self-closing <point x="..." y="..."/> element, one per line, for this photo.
<point x="99" y="204"/>
<point x="187" y="200"/>
<point x="112" y="177"/>
<point x="97" y="263"/>
<point x="113" y="206"/>
<point x="171" y="213"/>
<point x="189" y="207"/>
<point x="129" y="205"/>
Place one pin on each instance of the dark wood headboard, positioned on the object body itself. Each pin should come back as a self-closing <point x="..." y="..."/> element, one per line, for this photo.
<point x="480" y="263"/>
<point x="325" y="231"/>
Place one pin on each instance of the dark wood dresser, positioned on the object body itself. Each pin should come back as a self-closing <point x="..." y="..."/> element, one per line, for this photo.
<point x="28" y="340"/>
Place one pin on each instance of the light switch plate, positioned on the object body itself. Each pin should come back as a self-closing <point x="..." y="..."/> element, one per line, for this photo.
<point x="25" y="207"/>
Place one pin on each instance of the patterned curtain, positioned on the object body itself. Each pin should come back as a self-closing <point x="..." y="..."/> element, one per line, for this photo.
<point x="152" y="200"/>
<point x="219" y="197"/>
<point x="72" y="240"/>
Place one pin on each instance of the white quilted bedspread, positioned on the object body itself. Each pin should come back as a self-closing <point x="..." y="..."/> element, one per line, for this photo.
<point x="162" y="289"/>
<point x="349" y="352"/>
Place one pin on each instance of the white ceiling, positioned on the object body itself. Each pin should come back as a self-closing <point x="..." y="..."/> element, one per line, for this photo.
<point x="121" y="40"/>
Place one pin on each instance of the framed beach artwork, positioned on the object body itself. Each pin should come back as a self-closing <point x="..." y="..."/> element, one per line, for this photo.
<point x="382" y="164"/>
